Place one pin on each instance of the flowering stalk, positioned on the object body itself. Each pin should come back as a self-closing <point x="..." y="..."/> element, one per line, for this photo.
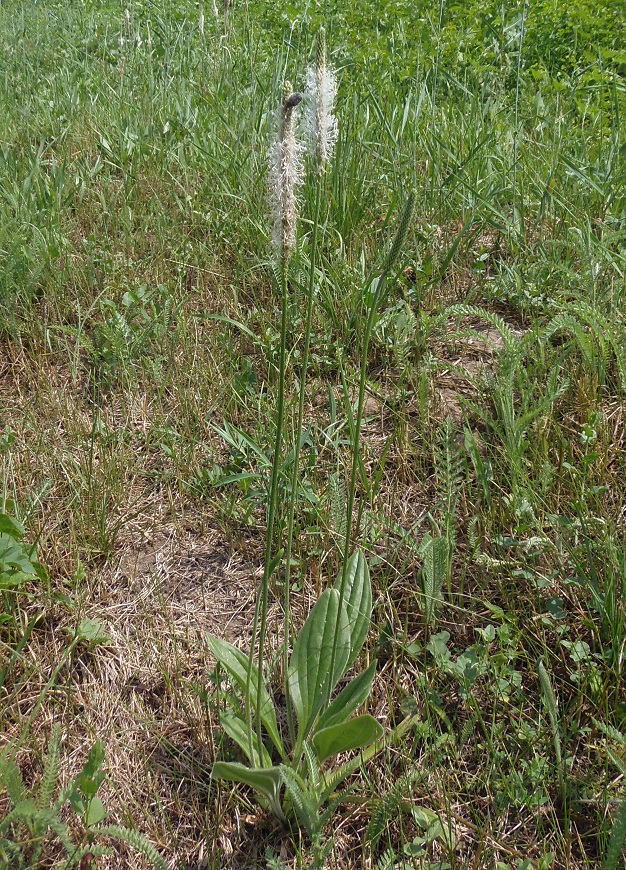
<point x="321" y="85"/>
<point x="286" y="175"/>
<point x="285" y="178"/>
<point x="322" y="128"/>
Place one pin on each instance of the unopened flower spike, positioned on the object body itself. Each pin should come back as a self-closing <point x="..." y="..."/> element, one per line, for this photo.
<point x="321" y="86"/>
<point x="285" y="176"/>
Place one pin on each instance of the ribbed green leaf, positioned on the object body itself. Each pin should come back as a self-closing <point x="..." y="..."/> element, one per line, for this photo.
<point x="348" y="700"/>
<point x="358" y="601"/>
<point x="267" y="781"/>
<point x="354" y="734"/>
<point x="237" y="664"/>
<point x="309" y="674"/>
<point x="238" y="731"/>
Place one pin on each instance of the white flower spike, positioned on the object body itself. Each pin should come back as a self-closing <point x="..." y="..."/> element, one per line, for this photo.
<point x="286" y="175"/>
<point x="321" y="86"/>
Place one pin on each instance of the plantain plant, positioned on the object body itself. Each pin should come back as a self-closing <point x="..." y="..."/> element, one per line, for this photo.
<point x="324" y="728"/>
<point x="285" y="766"/>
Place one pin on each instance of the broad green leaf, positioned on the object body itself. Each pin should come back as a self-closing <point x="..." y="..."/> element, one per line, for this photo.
<point x="92" y="631"/>
<point x="91" y="776"/>
<point x="13" y="555"/>
<point x="237" y="664"/>
<point x="348" y="700"/>
<point x="433" y="827"/>
<point x="354" y="734"/>
<point x="77" y="803"/>
<point x="10" y="526"/>
<point x="95" y="812"/>
<point x="309" y="674"/>
<point x="237" y="730"/>
<point x="9" y="579"/>
<point x="88" y="781"/>
<point x="358" y="601"/>
<point x="267" y="781"/>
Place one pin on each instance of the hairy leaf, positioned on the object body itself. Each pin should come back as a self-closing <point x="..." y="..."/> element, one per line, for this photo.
<point x="237" y="664"/>
<point x="238" y="731"/>
<point x="267" y="781"/>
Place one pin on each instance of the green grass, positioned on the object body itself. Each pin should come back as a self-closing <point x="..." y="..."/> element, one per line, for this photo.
<point x="141" y="343"/>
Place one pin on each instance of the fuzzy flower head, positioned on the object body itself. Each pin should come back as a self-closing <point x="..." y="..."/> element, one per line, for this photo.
<point x="321" y="86"/>
<point x="286" y="174"/>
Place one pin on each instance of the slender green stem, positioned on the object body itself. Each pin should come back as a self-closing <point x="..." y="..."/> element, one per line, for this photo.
<point x="261" y="607"/>
<point x="298" y="444"/>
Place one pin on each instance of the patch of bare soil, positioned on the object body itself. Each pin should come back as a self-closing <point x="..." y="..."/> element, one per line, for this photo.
<point x="195" y="578"/>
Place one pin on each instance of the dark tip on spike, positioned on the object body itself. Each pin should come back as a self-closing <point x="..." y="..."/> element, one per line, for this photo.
<point x="292" y="100"/>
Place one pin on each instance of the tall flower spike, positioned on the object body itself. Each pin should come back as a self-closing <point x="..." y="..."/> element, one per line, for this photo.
<point x="321" y="86"/>
<point x="285" y="176"/>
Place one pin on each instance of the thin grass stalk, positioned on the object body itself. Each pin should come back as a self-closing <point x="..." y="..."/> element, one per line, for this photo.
<point x="259" y="623"/>
<point x="388" y="264"/>
<point x="436" y="161"/>
<point x="516" y="132"/>
<point x="517" y="101"/>
<point x="378" y="295"/>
